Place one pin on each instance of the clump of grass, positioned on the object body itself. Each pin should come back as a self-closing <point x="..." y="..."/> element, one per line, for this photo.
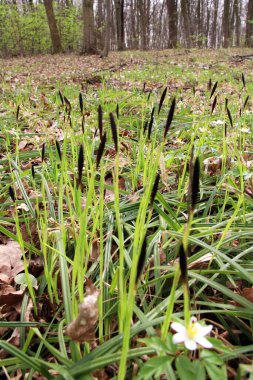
<point x="132" y="241"/>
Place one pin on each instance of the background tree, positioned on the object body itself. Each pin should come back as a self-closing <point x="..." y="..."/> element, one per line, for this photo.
<point x="249" y="25"/>
<point x="55" y="37"/>
<point x="173" y="17"/>
<point x="106" y="49"/>
<point x="119" y="13"/>
<point x="226" y="24"/>
<point x="185" y="12"/>
<point x="89" y="39"/>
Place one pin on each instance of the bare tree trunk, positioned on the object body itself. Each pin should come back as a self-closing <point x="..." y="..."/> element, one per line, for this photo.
<point x="237" y="10"/>
<point x="249" y="25"/>
<point x="133" y="32"/>
<point x="143" y="21"/>
<point x="119" y="10"/>
<point x="226" y="23"/>
<point x="89" y="42"/>
<point x="55" y="37"/>
<point x="173" y="16"/>
<point x="214" y="25"/>
<point x="186" y="23"/>
<point x="100" y="24"/>
<point x="106" y="49"/>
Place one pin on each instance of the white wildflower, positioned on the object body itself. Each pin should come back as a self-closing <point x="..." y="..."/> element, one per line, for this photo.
<point x="192" y="335"/>
<point x="245" y="129"/>
<point x="217" y="122"/>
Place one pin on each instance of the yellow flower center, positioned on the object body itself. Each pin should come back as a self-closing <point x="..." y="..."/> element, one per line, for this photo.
<point x="192" y="330"/>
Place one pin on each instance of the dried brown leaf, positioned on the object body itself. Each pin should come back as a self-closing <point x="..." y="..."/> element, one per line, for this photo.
<point x="83" y="328"/>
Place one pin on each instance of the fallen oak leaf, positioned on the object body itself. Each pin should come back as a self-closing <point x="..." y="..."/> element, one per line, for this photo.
<point x="83" y="328"/>
<point x="10" y="261"/>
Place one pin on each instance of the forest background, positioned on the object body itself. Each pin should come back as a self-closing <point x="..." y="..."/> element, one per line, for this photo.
<point x="88" y="26"/>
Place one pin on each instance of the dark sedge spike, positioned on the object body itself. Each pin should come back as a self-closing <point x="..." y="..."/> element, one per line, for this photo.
<point x="117" y="111"/>
<point x="67" y="102"/>
<point x="149" y="94"/>
<point x="226" y="129"/>
<point x="246" y="102"/>
<point x="230" y="117"/>
<point x="81" y="102"/>
<point x="58" y="149"/>
<point x="95" y="133"/>
<point x="61" y="97"/>
<point x="214" y="104"/>
<point x="194" y="90"/>
<point x="226" y="103"/>
<point x="144" y="87"/>
<point x="170" y="117"/>
<point x="17" y="113"/>
<point x="243" y="80"/>
<point x="209" y="84"/>
<point x="101" y="150"/>
<point x="33" y="171"/>
<point x="214" y="88"/>
<point x="114" y="131"/>
<point x="195" y="183"/>
<point x="155" y="188"/>
<point x="162" y="100"/>
<point x="240" y="112"/>
<point x="83" y="120"/>
<point x="43" y="151"/>
<point x="141" y="261"/>
<point x="151" y="122"/>
<point x="183" y="264"/>
<point x="80" y="164"/>
<point x="12" y="194"/>
<point x="100" y="121"/>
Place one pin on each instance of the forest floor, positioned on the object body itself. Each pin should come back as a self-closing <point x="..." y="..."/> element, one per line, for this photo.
<point x="85" y="218"/>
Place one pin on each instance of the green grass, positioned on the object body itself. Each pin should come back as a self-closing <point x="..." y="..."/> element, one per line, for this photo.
<point x="95" y="231"/>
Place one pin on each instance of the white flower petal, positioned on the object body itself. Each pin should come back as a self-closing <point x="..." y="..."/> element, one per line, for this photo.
<point x="178" y="327"/>
<point x="204" y="342"/>
<point x="178" y="338"/>
<point x="204" y="330"/>
<point x="190" y="344"/>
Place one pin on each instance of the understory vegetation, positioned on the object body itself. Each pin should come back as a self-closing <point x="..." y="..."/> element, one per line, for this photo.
<point x="126" y="209"/>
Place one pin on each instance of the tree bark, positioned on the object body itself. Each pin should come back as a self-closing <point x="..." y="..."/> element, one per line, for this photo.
<point x="106" y="49"/>
<point x="214" y="24"/>
<point x="143" y="23"/>
<point x="186" y="23"/>
<point x="173" y="17"/>
<point x="226" y="23"/>
<point x="55" y="37"/>
<point x="119" y="10"/>
<point x="237" y="9"/>
<point x="100" y="24"/>
<point x="89" y="41"/>
<point x="249" y="25"/>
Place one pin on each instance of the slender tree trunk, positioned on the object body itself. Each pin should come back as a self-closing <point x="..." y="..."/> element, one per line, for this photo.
<point x="100" y="24"/>
<point x="119" y="10"/>
<point x="226" y="23"/>
<point x="249" y="25"/>
<point x="200" y="23"/>
<point x="214" y="25"/>
<point x="173" y="17"/>
<point x="143" y="21"/>
<point x="237" y="9"/>
<point x="89" y="42"/>
<point x="106" y="49"/>
<point x="55" y="37"/>
<point x="186" y="22"/>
